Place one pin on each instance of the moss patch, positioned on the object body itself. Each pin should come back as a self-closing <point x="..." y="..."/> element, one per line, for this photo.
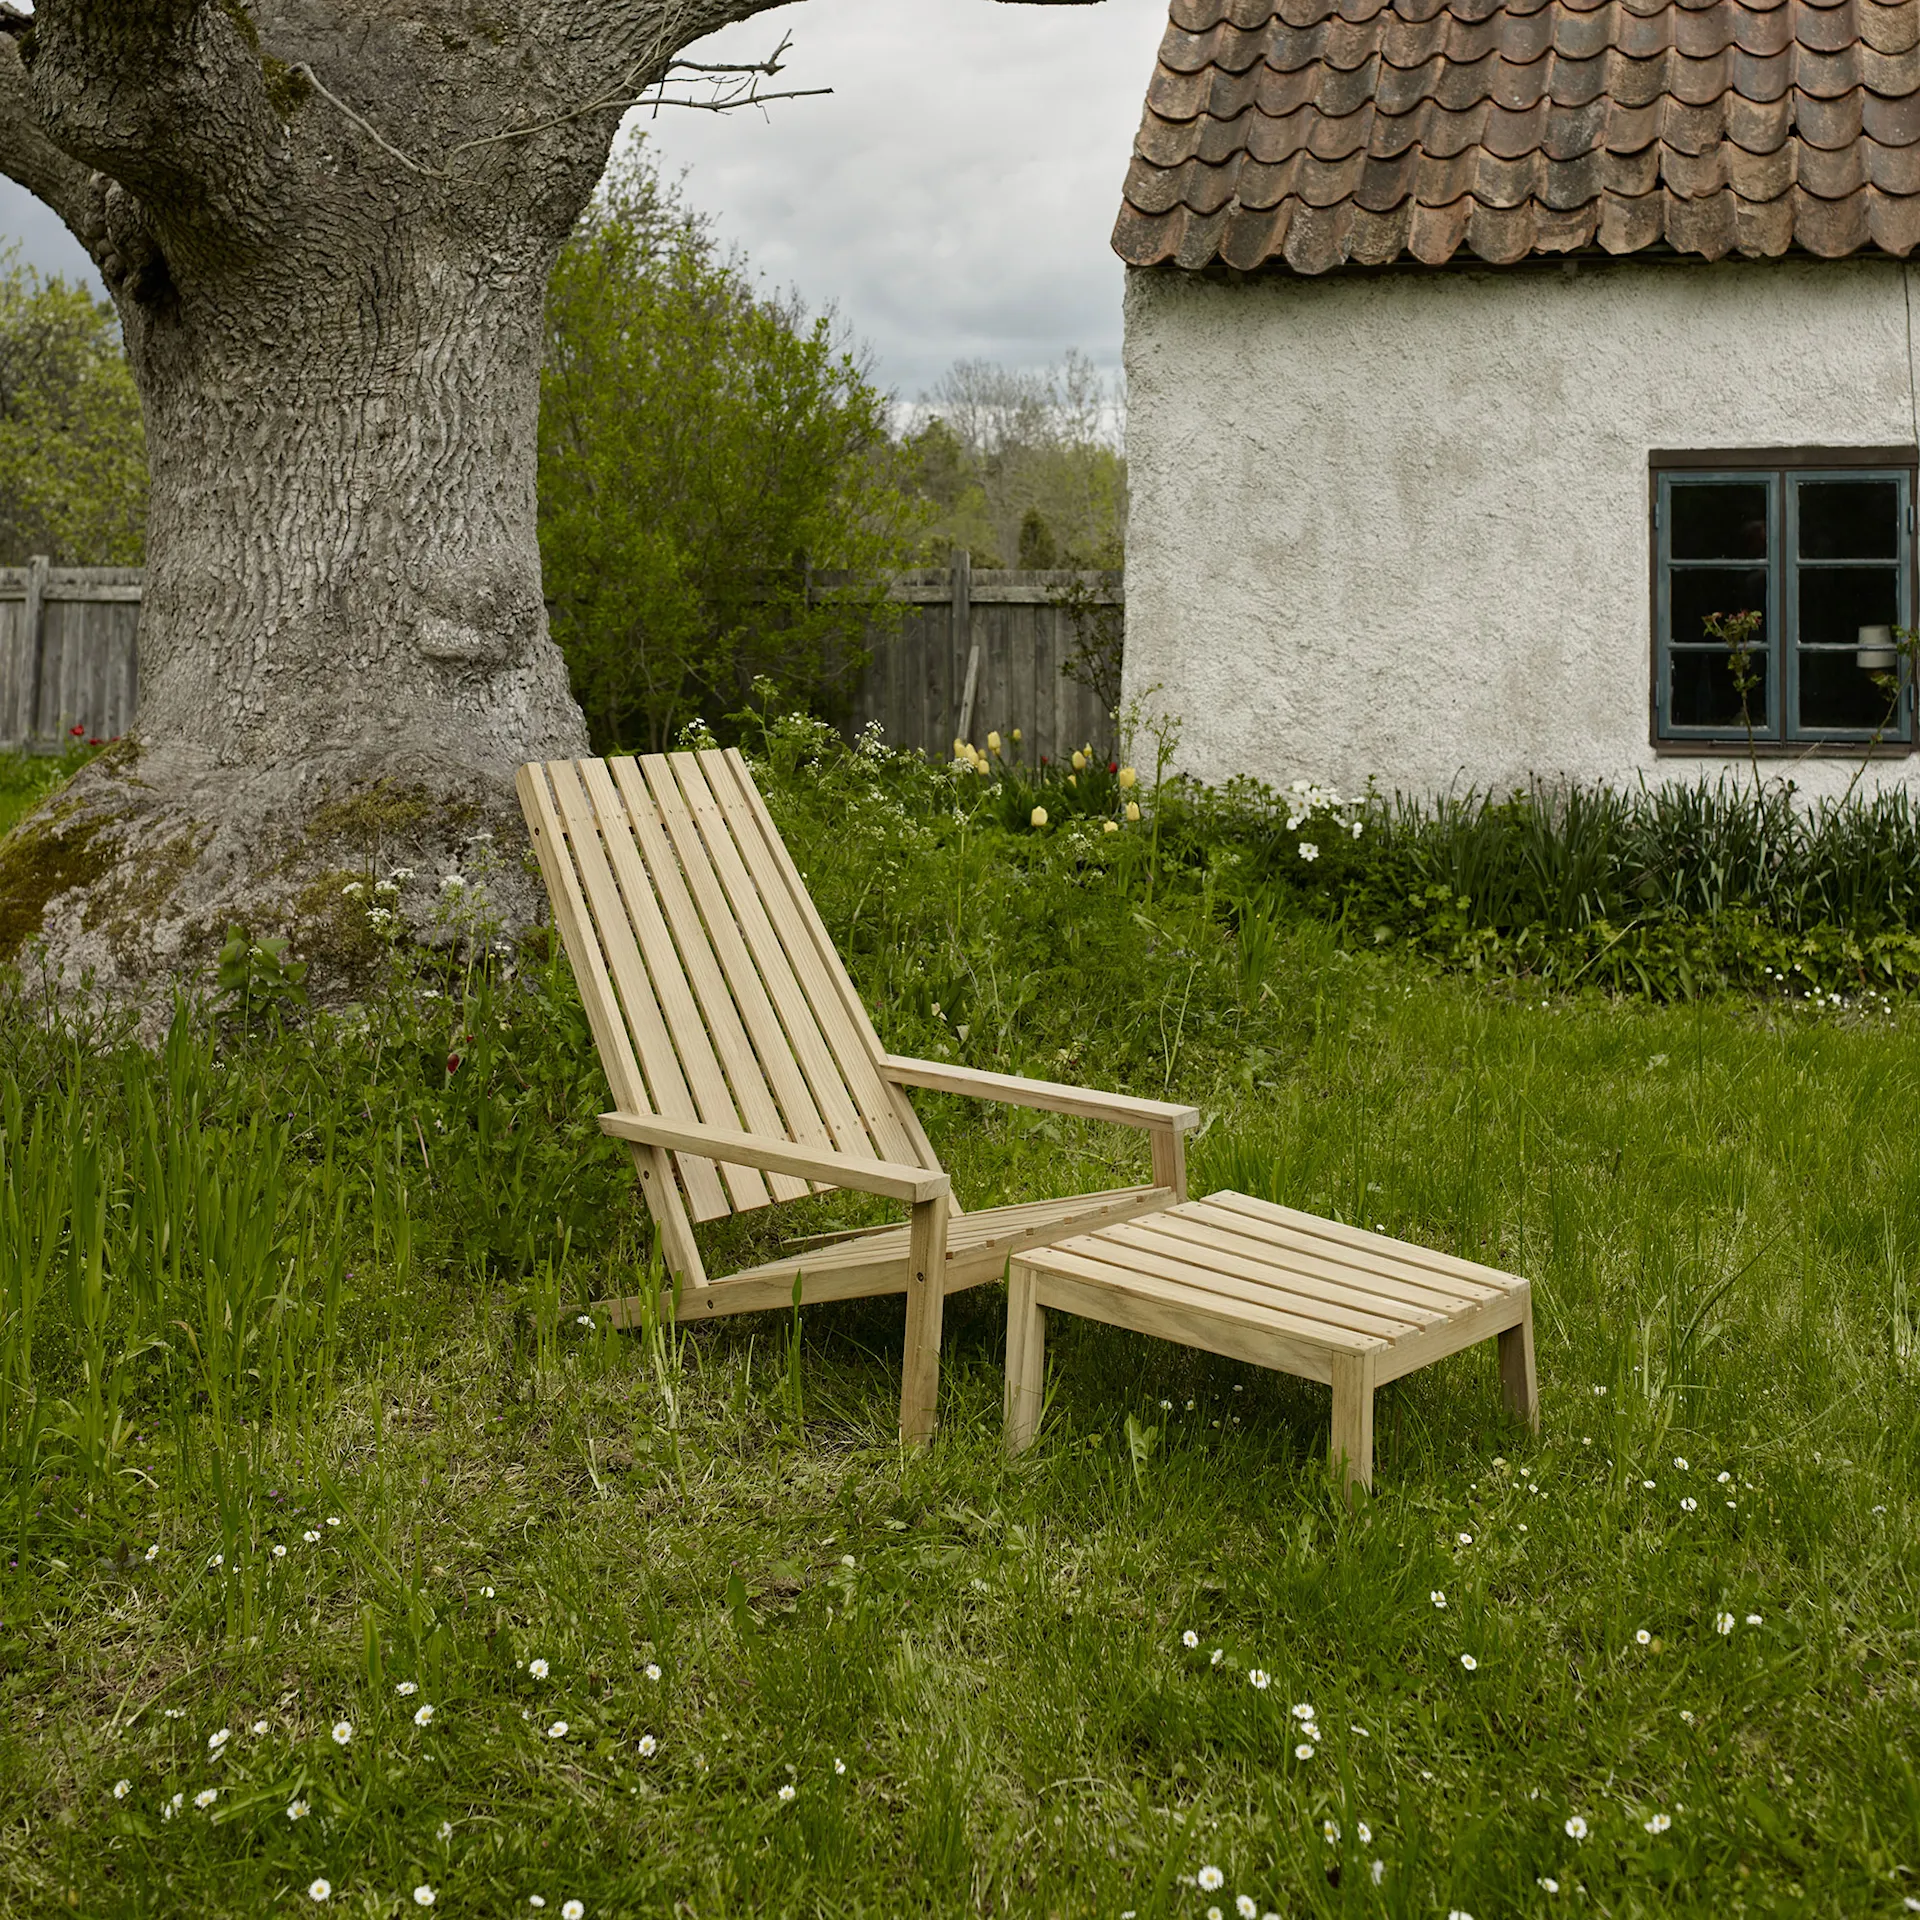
<point x="41" y="858"/>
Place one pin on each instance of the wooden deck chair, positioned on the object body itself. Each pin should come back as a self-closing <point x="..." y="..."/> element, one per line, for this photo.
<point x="745" y="1070"/>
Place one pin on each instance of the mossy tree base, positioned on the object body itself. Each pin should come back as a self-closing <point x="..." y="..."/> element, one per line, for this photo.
<point x="121" y="888"/>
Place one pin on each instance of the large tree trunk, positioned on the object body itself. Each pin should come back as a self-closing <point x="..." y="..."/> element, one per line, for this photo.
<point x="334" y="316"/>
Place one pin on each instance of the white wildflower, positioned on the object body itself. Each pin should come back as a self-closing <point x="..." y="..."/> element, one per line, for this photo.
<point x="1658" y="1822"/>
<point x="1576" y="1827"/>
<point x="424" y="1717"/>
<point x="538" y="1668"/>
<point x="405" y="1687"/>
<point x="1210" y="1879"/>
<point x="649" y="1746"/>
<point x="558" y="1731"/>
<point x="320" y="1890"/>
<point x="1260" y="1678"/>
<point x="1723" y="1623"/>
<point x="786" y="1792"/>
<point x="1189" y="1638"/>
<point x="121" y="1788"/>
<point x="423" y="1896"/>
<point x="1308" y="851"/>
<point x="298" y="1809"/>
<point x="206" y="1797"/>
<point x="342" y="1732"/>
<point x="1469" y="1662"/>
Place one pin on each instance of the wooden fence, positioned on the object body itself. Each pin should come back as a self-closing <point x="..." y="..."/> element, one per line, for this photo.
<point x="69" y="652"/>
<point x="976" y="651"/>
<point x="981" y="650"/>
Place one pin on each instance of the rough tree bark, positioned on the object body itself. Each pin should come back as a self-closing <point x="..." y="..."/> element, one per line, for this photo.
<point x="328" y="227"/>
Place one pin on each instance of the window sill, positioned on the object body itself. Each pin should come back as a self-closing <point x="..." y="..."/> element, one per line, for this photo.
<point x="1783" y="750"/>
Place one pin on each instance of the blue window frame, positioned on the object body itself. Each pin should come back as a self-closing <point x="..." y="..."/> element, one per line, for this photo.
<point x="1823" y="556"/>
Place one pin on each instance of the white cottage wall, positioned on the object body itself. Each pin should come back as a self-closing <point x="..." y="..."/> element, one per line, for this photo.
<point x="1396" y="525"/>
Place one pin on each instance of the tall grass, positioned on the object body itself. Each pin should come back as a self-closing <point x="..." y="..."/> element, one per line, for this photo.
<point x="296" y="1287"/>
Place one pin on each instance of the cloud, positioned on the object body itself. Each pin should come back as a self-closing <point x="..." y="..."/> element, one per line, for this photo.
<point x="952" y="197"/>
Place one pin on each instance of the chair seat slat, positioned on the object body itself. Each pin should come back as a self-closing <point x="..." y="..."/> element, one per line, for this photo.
<point x="823" y="1076"/>
<point x="686" y="1031"/>
<point x="818" y="975"/>
<point x="748" y="1083"/>
<point x="666" y="1086"/>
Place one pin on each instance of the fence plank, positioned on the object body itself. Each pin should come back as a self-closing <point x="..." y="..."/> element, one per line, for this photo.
<point x="915" y="682"/>
<point x="69" y="652"/>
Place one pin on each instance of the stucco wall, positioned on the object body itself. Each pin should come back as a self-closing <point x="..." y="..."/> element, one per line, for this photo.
<point x="1398" y="526"/>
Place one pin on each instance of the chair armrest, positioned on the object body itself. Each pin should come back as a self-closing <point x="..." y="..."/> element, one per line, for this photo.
<point x="886" y="1177"/>
<point x="1050" y="1095"/>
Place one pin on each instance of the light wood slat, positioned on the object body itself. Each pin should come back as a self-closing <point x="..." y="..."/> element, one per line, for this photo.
<point x="1374" y="1273"/>
<point x="1203" y="1271"/>
<point x="745" y="1077"/>
<point x="802" y="1120"/>
<point x="1451" y="1336"/>
<point x="713" y="1103"/>
<point x="1050" y="1096"/>
<point x="858" y="1175"/>
<point x="1090" y="1258"/>
<point x="1446" y="1264"/>
<point x="667" y="1089"/>
<point x="809" y="915"/>
<point x="570" y="915"/>
<point x="824" y="1078"/>
<point x="990" y="1234"/>
<point x="1168" y="1313"/>
<point x="1190" y="1240"/>
<point x="822" y="975"/>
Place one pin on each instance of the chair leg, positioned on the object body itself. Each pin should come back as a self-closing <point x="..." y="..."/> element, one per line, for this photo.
<point x="1026" y="1357"/>
<point x="926" y="1302"/>
<point x="1518" y="1383"/>
<point x="1351" y="1449"/>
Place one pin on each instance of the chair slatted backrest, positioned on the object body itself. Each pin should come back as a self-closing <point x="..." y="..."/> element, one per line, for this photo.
<point x="712" y="988"/>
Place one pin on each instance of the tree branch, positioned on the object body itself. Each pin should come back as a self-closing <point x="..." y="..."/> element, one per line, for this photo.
<point x="29" y="157"/>
<point x="167" y="97"/>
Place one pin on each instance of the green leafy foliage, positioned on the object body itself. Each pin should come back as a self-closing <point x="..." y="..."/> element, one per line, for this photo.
<point x="706" y="451"/>
<point x="73" y="460"/>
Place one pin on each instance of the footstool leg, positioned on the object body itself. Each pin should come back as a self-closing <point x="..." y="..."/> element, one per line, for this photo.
<point x="1026" y="1357"/>
<point x="1351" y="1450"/>
<point x="1517" y="1382"/>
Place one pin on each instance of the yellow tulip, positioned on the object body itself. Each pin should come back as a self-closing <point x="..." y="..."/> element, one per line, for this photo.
<point x="1133" y="809"/>
<point x="1112" y="826"/>
<point x="1016" y="736"/>
<point x="961" y="751"/>
<point x="1073" y="779"/>
<point x="1079" y="759"/>
<point x="993" y="743"/>
<point x="1038" y="818"/>
<point x="1128" y="777"/>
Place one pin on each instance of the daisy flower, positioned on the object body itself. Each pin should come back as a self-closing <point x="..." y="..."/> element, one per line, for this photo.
<point x="406" y="1687"/>
<point x="1301" y="1710"/>
<point x="1260" y="1678"/>
<point x="1469" y="1662"/>
<point x="1330" y="1832"/>
<point x="297" y="1809"/>
<point x="320" y="1890"/>
<point x="1210" y="1879"/>
<point x="538" y="1668"/>
<point x="206" y="1797"/>
<point x="446" y="1830"/>
<point x="1723" y="1623"/>
<point x="649" y="1746"/>
<point x="423" y="1896"/>
<point x="1658" y="1822"/>
<point x="424" y="1717"/>
<point x="1642" y="1638"/>
<point x="311" y="1536"/>
<point x="121" y="1788"/>
<point x="1576" y="1827"/>
<point x="1218" y="1654"/>
<point x="1304" y="1751"/>
<point x="219" y="1738"/>
<point x="786" y="1792"/>
<point x="1466" y="1539"/>
<point x="558" y="1731"/>
<point x="259" y="1729"/>
<point x="651" y="1671"/>
<point x="1246" y="1906"/>
<point x="1689" y="1504"/>
<point x="1753" y="1620"/>
<point x="573" y="1910"/>
<point x="1548" y="1884"/>
<point x="342" y="1732"/>
<point x="1189" y="1638"/>
<point x="1438" y="1597"/>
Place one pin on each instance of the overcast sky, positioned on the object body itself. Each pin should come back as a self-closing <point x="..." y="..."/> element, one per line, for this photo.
<point x="952" y="196"/>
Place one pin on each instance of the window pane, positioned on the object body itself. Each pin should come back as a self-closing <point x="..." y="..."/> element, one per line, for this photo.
<point x="1702" y="693"/>
<point x="1836" y="692"/>
<point x="1698" y="593"/>
<point x="1719" y="519"/>
<point x="1849" y="519"/>
<point x="1836" y="602"/>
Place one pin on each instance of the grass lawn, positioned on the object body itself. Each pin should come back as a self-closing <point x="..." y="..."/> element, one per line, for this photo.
<point x="696" y="1638"/>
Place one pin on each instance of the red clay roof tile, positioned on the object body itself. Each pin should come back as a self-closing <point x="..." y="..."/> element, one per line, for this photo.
<point x="1314" y="133"/>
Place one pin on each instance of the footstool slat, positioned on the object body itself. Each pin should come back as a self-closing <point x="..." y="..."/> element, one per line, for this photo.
<point x="1280" y="1289"/>
<point x="1305" y="1296"/>
<point x="1176" y="1288"/>
<point x="1326" y="1282"/>
<point x="1444" y="1264"/>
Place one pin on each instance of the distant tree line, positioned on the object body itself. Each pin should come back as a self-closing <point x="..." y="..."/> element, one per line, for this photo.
<point x="708" y="450"/>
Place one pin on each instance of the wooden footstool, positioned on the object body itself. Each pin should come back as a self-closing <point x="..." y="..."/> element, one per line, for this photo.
<point x="1282" y="1289"/>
